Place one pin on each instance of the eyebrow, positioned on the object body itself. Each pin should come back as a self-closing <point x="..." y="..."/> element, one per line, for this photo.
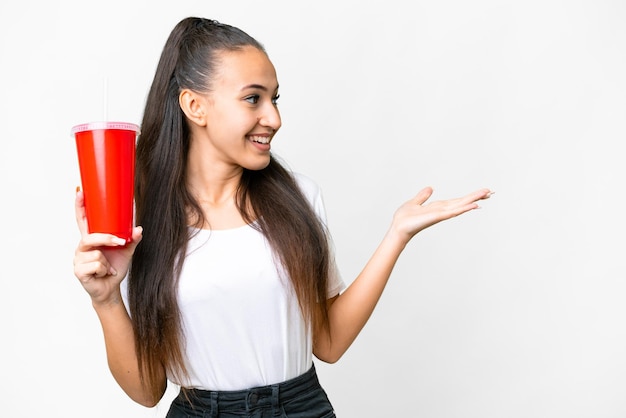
<point x="257" y="86"/>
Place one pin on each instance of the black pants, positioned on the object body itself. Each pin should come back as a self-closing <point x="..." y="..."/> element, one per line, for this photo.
<point x="302" y="397"/>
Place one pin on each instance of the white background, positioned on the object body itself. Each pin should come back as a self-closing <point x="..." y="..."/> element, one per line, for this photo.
<point x="514" y="310"/>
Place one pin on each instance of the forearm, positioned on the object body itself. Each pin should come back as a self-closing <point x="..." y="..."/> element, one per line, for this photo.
<point x="120" y="348"/>
<point x="352" y="309"/>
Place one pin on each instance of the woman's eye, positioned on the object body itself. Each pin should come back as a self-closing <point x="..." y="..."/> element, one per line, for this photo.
<point x="254" y="99"/>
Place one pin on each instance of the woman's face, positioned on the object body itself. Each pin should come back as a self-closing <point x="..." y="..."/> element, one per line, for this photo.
<point x="242" y="112"/>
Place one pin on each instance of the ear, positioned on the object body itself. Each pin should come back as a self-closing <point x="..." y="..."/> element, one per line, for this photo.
<point x="194" y="106"/>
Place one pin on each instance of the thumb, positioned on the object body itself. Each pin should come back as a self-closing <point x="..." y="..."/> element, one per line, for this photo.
<point x="423" y="195"/>
<point x="137" y="236"/>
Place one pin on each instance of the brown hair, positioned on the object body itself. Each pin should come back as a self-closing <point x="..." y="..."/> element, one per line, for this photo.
<point x="270" y="197"/>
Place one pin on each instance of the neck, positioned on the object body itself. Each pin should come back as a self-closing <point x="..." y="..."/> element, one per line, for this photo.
<point x="211" y="180"/>
<point x="214" y="186"/>
<point x="212" y="189"/>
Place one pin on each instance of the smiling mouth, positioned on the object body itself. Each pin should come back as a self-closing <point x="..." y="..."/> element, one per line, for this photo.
<point x="260" y="139"/>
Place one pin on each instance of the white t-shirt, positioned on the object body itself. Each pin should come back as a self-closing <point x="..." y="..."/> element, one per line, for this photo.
<point x="242" y="323"/>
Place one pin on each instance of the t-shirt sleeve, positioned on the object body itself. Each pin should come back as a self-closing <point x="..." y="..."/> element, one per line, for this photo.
<point x="313" y="193"/>
<point x="124" y="291"/>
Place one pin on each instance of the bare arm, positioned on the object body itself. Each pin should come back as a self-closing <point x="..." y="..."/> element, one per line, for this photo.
<point x="119" y="341"/>
<point x="100" y="264"/>
<point x="350" y="311"/>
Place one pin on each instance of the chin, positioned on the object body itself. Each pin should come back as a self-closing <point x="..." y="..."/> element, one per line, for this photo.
<point x="257" y="165"/>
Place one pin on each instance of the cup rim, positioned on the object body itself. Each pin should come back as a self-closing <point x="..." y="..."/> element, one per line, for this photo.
<point x="92" y="126"/>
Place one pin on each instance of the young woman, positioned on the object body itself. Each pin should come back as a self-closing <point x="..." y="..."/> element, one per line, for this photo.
<point x="229" y="286"/>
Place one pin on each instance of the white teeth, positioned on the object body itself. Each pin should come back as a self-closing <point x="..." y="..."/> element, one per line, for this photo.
<point x="260" y="139"/>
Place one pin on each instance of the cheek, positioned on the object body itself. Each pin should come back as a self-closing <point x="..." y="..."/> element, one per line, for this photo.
<point x="236" y="120"/>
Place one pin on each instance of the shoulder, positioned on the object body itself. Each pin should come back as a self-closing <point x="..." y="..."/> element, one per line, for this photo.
<point x="308" y="186"/>
<point x="312" y="193"/>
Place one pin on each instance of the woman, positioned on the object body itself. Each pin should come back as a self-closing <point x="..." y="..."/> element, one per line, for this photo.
<point x="231" y="282"/>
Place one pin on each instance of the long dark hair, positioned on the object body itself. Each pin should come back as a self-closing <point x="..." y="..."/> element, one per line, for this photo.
<point x="269" y="199"/>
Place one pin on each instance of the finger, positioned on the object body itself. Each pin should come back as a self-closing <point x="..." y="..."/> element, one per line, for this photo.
<point x="95" y="240"/>
<point x="137" y="236"/>
<point x="470" y="202"/>
<point x="87" y="263"/>
<point x="488" y="194"/>
<point x="96" y="269"/>
<point x="480" y="194"/>
<point x="423" y="195"/>
<point x="79" y="205"/>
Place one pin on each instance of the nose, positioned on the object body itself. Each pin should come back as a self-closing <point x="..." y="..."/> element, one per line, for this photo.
<point x="270" y="117"/>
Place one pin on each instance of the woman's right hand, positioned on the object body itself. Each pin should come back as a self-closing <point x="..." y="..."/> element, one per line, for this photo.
<point x="101" y="260"/>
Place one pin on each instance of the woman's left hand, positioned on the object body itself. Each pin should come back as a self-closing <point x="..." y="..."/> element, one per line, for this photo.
<point x="417" y="215"/>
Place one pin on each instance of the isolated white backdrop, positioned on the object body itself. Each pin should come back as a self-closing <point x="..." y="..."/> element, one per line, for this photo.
<point x="515" y="310"/>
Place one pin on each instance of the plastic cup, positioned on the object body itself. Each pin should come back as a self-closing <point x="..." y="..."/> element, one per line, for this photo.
<point x="106" y="158"/>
